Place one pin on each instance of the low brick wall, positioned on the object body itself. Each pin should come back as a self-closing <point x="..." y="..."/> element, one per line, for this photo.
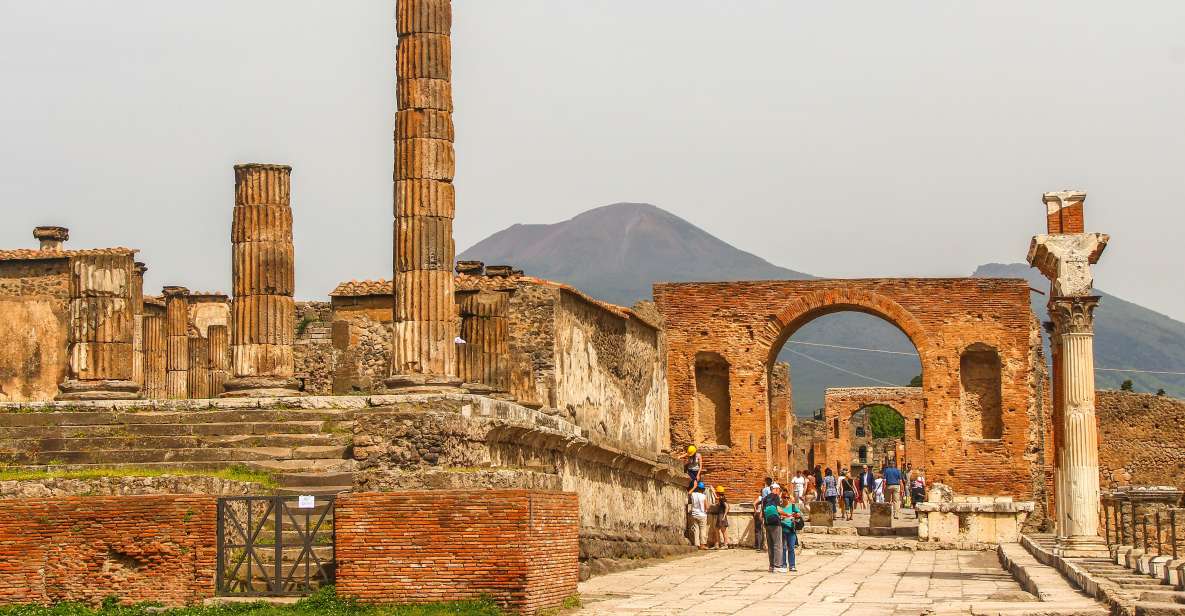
<point x="519" y="547"/>
<point x="140" y="548"/>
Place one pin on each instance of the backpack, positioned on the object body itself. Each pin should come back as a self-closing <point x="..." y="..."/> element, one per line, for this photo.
<point x="770" y="520"/>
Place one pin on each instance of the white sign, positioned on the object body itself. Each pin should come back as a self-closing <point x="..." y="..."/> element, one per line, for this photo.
<point x="306" y="502"/>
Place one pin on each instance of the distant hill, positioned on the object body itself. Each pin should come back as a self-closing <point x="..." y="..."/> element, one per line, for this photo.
<point x="617" y="252"/>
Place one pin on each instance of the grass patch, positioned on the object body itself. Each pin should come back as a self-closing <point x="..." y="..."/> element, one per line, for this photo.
<point x="230" y="473"/>
<point x="322" y="603"/>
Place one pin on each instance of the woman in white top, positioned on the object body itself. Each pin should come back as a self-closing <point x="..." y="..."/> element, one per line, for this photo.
<point x="878" y="488"/>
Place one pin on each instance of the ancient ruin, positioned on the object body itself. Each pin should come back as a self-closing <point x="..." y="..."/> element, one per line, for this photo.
<point x="398" y="399"/>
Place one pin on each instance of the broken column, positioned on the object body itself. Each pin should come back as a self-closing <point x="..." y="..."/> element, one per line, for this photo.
<point x="483" y="361"/>
<point x="155" y="357"/>
<point x="263" y="276"/>
<point x="423" y="353"/>
<point x="51" y="238"/>
<point x="138" y="323"/>
<point x="176" y="343"/>
<point x="1065" y="255"/>
<point x="100" y="333"/>
<point x="218" y="337"/>
<point x="198" y="379"/>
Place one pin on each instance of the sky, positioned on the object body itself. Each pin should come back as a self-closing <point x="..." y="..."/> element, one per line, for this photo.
<point x="841" y="139"/>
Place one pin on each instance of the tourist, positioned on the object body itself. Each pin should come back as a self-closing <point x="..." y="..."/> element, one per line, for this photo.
<point x="810" y="493"/>
<point x="694" y="466"/>
<point x="818" y="474"/>
<point x="699" y="517"/>
<point x="878" y="488"/>
<point x="721" y="518"/>
<point x="893" y="486"/>
<point x="758" y="535"/>
<point x="772" y="519"/>
<point x="791" y="515"/>
<point x="867" y="482"/>
<point x="848" y="489"/>
<point x="918" y="489"/>
<point x="830" y="489"/>
<point x="799" y="483"/>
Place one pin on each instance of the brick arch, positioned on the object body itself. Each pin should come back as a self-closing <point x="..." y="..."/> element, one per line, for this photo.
<point x="810" y="306"/>
<point x="842" y="403"/>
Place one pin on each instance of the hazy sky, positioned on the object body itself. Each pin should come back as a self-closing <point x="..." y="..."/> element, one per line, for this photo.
<point x="837" y="138"/>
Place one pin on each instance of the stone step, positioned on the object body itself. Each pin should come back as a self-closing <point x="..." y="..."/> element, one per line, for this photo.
<point x="301" y="480"/>
<point x="314" y="490"/>
<point x="1138" y="588"/>
<point x="1167" y="596"/>
<point x="1147" y="608"/>
<point x="308" y="465"/>
<point x="321" y="452"/>
<point x="46" y="445"/>
<point x="86" y="418"/>
<point x="110" y="457"/>
<point x="1131" y="578"/>
<point x="272" y="467"/>
<point x="177" y="429"/>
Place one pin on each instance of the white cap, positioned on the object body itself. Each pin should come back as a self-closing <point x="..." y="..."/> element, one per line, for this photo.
<point x="774" y="485"/>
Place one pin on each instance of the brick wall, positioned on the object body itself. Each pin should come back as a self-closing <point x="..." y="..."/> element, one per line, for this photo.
<point x="748" y="322"/>
<point x="1141" y="439"/>
<point x="519" y="547"/>
<point x="140" y="548"/>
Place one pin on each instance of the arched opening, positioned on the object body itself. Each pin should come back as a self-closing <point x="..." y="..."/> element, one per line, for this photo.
<point x="712" y="399"/>
<point x="877" y="430"/>
<point x="864" y="454"/>
<point x="980" y="394"/>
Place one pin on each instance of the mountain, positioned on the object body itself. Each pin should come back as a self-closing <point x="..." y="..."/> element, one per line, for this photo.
<point x="616" y="252"/>
<point x="1126" y="335"/>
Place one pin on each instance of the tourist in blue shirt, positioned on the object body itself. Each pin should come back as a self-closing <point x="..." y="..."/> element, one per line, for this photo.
<point x="893" y="486"/>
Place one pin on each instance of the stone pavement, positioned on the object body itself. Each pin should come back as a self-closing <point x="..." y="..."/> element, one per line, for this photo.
<point x="850" y="582"/>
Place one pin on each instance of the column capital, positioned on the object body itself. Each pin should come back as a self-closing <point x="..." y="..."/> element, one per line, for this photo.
<point x="175" y="292"/>
<point x="1073" y="315"/>
<point x="1066" y="260"/>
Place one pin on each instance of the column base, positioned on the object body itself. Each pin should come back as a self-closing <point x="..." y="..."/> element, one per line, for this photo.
<point x="261" y="387"/>
<point x="1082" y="546"/>
<point x="99" y="390"/>
<point x="422" y="384"/>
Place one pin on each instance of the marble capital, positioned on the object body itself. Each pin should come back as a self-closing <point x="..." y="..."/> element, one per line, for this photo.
<point x="1066" y="259"/>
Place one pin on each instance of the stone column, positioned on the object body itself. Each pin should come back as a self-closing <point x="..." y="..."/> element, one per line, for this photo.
<point x="51" y="238"/>
<point x="155" y="357"/>
<point x="138" y="323"/>
<point x="1064" y="256"/>
<point x="176" y="343"/>
<point x="484" y="360"/>
<point x="198" y="379"/>
<point x="219" y="341"/>
<point x="263" y="313"/>
<point x="423" y="354"/>
<point x="100" y="334"/>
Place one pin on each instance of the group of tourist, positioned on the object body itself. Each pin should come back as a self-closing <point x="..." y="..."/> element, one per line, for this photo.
<point x="779" y="513"/>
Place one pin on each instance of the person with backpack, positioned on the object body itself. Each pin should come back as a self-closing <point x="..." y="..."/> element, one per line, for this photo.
<point x="848" y="489"/>
<point x="721" y="518"/>
<point x="792" y="522"/>
<point x="758" y="519"/>
<point x="830" y="489"/>
<point x="772" y="517"/>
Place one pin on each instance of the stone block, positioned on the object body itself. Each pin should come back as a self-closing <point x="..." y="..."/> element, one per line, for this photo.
<point x="821" y="514"/>
<point x="881" y="516"/>
<point x="943" y="526"/>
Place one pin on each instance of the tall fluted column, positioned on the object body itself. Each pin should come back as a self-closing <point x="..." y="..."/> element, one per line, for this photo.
<point x="155" y="358"/>
<point x="198" y="379"/>
<point x="100" y="334"/>
<point x="1073" y="319"/>
<point x="263" y="276"/>
<point x="138" y="323"/>
<point x="176" y="343"/>
<point x="423" y="353"/>
<point x="1064" y="255"/>
<point x="484" y="359"/>
<point x="219" y="340"/>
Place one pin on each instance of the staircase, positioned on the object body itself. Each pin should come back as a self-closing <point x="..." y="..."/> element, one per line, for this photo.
<point x="1128" y="591"/>
<point x="307" y="451"/>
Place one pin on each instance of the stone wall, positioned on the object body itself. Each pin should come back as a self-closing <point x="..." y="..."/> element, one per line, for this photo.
<point x="746" y="323"/>
<point x="518" y="547"/>
<point x="1141" y="440"/>
<point x="59" y="487"/>
<point x="146" y="548"/>
<point x="361" y="343"/>
<point x="34" y="325"/>
<point x="632" y="505"/>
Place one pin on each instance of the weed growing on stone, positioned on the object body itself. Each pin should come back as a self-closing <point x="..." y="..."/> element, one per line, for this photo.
<point x="322" y="603"/>
<point x="231" y="473"/>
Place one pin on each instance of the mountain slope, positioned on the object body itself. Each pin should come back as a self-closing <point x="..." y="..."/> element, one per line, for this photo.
<point x="1127" y="335"/>
<point x="617" y="252"/>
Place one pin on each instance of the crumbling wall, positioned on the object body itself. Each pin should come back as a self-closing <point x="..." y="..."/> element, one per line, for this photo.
<point x="361" y="339"/>
<point x="608" y="374"/>
<point x="34" y="326"/>
<point x="1141" y="439"/>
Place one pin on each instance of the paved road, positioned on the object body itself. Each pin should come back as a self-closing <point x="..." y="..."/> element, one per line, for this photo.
<point x="850" y="582"/>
